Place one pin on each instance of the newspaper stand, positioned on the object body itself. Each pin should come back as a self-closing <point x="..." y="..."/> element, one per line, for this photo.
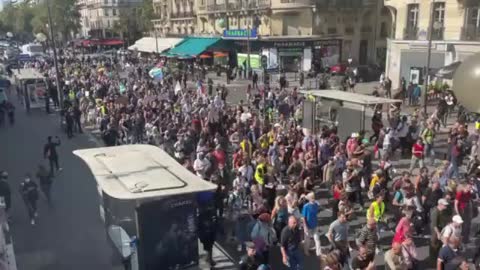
<point x="31" y="86"/>
<point x="148" y="205"/>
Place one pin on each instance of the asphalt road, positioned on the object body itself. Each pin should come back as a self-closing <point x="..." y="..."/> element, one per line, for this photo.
<point x="69" y="235"/>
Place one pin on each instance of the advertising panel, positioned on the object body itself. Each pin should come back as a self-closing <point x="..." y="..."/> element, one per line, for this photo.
<point x="167" y="233"/>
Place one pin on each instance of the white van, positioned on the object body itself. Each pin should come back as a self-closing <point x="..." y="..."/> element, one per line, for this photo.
<point x="33" y="49"/>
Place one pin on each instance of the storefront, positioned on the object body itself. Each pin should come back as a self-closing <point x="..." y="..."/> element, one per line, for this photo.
<point x="326" y="53"/>
<point x="301" y="55"/>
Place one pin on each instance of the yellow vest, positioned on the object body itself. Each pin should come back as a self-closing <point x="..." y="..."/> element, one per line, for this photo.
<point x="246" y="144"/>
<point x="71" y="95"/>
<point x="103" y="109"/>
<point x="260" y="173"/>
<point x="378" y="211"/>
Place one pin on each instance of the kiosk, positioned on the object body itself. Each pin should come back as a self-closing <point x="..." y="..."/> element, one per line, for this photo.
<point x="148" y="202"/>
<point x="346" y="110"/>
<point x="32" y="87"/>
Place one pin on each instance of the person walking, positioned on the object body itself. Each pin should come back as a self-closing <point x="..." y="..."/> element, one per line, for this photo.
<point x="251" y="260"/>
<point x="368" y="239"/>
<point x="438" y="219"/>
<point x="417" y="155"/>
<point x="428" y="136"/>
<point x="45" y="181"/>
<point x="5" y="191"/>
<point x="310" y="224"/>
<point x="69" y="121"/>
<point x="50" y="152"/>
<point x="29" y="192"/>
<point x="77" y="115"/>
<point x="463" y="207"/>
<point x="394" y="259"/>
<point x="10" y="108"/>
<point x="290" y="245"/>
<point x="207" y="228"/>
<point x="264" y="237"/>
<point x="448" y="253"/>
<point x="338" y="236"/>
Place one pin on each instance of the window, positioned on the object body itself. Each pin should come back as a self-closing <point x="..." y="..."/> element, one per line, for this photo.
<point x="383" y="30"/>
<point x="439" y="12"/>
<point x="114" y="12"/>
<point x="412" y="16"/>
<point x="105" y="12"/>
<point x="473" y="17"/>
<point x="105" y="2"/>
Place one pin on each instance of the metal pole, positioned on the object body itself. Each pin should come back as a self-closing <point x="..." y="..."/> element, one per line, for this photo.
<point x="156" y="38"/>
<point x="55" y="61"/>
<point x="429" y="56"/>
<point x="248" y="52"/>
<point x="374" y="56"/>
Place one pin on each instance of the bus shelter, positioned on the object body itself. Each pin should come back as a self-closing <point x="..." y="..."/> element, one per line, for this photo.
<point x="148" y="202"/>
<point x="346" y="110"/>
<point x="31" y="86"/>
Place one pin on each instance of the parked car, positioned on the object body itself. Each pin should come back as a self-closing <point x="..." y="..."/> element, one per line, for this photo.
<point x="367" y="73"/>
<point x="339" y="68"/>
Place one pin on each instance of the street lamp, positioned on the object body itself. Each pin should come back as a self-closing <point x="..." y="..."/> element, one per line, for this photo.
<point x="55" y="61"/>
<point x="429" y="56"/>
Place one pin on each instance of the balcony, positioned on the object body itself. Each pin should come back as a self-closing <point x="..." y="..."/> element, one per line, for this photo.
<point x="346" y="4"/>
<point x="471" y="33"/>
<point x="182" y="14"/>
<point x="410" y="33"/>
<point x="437" y="34"/>
<point x="291" y="4"/>
<point x="232" y="5"/>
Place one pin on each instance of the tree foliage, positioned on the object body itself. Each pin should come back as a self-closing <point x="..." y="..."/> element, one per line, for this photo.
<point x="25" y="19"/>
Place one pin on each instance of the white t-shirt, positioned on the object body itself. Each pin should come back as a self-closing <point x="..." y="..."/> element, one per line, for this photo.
<point x="450" y="230"/>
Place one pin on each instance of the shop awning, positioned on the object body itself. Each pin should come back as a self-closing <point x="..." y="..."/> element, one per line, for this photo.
<point x="148" y="44"/>
<point x="192" y="46"/>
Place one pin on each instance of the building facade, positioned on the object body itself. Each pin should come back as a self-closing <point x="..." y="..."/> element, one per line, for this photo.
<point x="296" y="34"/>
<point x="455" y="36"/>
<point x="174" y="17"/>
<point x="98" y="17"/>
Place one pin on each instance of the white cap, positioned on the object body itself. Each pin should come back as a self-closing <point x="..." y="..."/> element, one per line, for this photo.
<point x="443" y="202"/>
<point x="457" y="219"/>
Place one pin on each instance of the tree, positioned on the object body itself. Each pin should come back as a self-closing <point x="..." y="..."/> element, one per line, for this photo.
<point x="27" y="19"/>
<point x="146" y="15"/>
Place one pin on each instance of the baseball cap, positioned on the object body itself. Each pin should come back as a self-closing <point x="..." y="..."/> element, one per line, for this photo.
<point x="457" y="219"/>
<point x="443" y="202"/>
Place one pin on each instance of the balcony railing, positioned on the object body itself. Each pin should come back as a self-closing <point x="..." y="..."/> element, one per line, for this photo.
<point x="437" y="34"/>
<point x="471" y="33"/>
<point x="410" y="33"/>
<point x="238" y="5"/>
<point x="345" y="4"/>
<point x="289" y="4"/>
<point x="182" y="14"/>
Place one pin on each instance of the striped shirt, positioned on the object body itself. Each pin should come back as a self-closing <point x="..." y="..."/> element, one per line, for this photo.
<point x="369" y="238"/>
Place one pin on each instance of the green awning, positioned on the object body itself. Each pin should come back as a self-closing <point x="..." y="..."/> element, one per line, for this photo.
<point x="192" y="47"/>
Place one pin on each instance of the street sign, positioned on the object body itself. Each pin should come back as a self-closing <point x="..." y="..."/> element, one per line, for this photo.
<point x="240" y="34"/>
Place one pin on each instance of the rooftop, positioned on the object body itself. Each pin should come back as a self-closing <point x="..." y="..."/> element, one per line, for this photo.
<point x="132" y="172"/>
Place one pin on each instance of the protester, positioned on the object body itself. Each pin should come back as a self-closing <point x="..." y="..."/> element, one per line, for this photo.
<point x="29" y="192"/>
<point x="50" y="152"/>
<point x="290" y="245"/>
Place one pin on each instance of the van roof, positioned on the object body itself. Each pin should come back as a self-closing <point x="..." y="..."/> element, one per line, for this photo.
<point x="133" y="172"/>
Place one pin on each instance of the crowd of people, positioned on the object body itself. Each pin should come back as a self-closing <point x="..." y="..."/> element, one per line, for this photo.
<point x="272" y="174"/>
